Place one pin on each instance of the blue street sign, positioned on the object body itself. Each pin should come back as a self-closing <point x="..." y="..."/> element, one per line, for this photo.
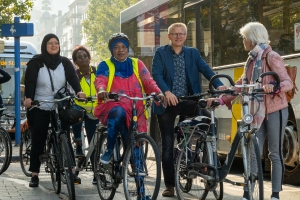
<point x="17" y="30"/>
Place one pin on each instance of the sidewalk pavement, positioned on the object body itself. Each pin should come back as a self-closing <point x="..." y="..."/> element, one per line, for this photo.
<point x="16" y="189"/>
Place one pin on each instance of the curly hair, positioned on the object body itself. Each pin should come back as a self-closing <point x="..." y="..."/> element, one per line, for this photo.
<point x="75" y="51"/>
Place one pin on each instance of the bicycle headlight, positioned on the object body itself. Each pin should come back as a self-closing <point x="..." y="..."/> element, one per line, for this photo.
<point x="247" y="118"/>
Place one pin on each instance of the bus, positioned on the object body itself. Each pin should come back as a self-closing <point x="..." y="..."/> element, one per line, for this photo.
<point x="213" y="28"/>
<point x="7" y="63"/>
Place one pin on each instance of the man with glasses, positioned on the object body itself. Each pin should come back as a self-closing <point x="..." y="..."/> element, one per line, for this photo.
<point x="176" y="69"/>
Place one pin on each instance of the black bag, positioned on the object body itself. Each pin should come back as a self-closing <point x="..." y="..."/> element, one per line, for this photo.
<point x="61" y="93"/>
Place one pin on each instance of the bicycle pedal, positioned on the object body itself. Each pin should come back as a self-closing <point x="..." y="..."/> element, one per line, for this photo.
<point x="43" y="158"/>
<point x="192" y="174"/>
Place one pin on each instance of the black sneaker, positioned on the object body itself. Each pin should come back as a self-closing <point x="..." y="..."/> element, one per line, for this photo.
<point x="77" y="180"/>
<point x="94" y="181"/>
<point x="34" y="181"/>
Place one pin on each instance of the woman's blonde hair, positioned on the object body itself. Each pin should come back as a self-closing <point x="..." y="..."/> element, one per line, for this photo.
<point x="182" y="25"/>
<point x="255" y="32"/>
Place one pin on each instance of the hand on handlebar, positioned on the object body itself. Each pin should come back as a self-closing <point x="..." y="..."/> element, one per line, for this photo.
<point x="222" y="87"/>
<point x="211" y="100"/>
<point x="103" y="95"/>
<point x="81" y="95"/>
<point x="171" y="99"/>
<point x="269" y="88"/>
<point x="163" y="100"/>
<point x="27" y="102"/>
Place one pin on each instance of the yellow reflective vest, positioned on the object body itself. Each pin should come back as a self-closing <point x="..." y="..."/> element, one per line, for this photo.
<point x="89" y="90"/>
<point x="111" y="70"/>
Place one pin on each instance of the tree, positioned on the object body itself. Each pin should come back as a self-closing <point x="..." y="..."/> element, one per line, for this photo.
<point x="11" y="8"/>
<point x="103" y="19"/>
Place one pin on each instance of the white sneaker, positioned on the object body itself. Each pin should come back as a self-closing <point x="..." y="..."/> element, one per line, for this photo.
<point x="274" y="198"/>
<point x="244" y="198"/>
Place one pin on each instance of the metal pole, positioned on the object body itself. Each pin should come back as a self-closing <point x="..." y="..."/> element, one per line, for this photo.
<point x="17" y="87"/>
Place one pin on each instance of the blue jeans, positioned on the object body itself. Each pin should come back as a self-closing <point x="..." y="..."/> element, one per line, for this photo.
<point x="90" y="128"/>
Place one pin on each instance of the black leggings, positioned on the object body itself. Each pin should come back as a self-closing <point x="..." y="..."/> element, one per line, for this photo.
<point x="39" y="125"/>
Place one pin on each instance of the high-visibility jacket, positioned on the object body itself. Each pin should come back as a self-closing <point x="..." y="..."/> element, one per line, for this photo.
<point x="111" y="69"/>
<point x="89" y="90"/>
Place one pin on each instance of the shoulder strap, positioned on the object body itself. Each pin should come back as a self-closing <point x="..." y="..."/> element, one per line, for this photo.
<point x="51" y="80"/>
<point x="267" y="61"/>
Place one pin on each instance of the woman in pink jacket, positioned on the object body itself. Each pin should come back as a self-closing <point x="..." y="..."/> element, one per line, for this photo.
<point x="273" y="113"/>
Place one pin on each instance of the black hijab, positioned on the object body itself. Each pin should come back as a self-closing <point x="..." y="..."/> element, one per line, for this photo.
<point x="51" y="61"/>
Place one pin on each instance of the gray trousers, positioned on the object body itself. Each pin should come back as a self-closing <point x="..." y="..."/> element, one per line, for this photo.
<point x="273" y="127"/>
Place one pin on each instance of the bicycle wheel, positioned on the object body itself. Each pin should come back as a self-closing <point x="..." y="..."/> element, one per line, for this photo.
<point x="67" y="166"/>
<point x="143" y="181"/>
<point x="219" y="191"/>
<point x="4" y="152"/>
<point x="25" y="148"/>
<point x="254" y="177"/>
<point x="53" y="166"/>
<point x="194" y="186"/>
<point x="103" y="173"/>
<point x="9" y="148"/>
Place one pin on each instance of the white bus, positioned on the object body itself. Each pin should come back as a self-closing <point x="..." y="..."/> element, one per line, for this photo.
<point x="213" y="27"/>
<point x="7" y="63"/>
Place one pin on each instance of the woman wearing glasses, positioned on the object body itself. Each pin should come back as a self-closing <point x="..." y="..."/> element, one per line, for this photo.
<point x="38" y="87"/>
<point x="86" y="74"/>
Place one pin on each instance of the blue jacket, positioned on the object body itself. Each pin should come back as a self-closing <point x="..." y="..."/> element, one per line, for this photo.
<point x="163" y="71"/>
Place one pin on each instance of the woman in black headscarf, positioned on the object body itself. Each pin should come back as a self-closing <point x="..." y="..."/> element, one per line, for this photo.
<point x="38" y="87"/>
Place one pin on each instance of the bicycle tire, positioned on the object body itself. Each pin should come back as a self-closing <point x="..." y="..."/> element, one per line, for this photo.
<point x="219" y="191"/>
<point x="25" y="148"/>
<point x="9" y="148"/>
<point x="53" y="166"/>
<point x="198" y="188"/>
<point x="104" y="190"/>
<point x="255" y="173"/>
<point x="137" y="185"/>
<point x="4" y="152"/>
<point x="67" y="166"/>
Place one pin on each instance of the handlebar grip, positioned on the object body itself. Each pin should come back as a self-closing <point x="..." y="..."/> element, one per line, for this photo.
<point x="211" y="88"/>
<point x="35" y="103"/>
<point x="203" y="103"/>
<point x="113" y="96"/>
<point x="274" y="74"/>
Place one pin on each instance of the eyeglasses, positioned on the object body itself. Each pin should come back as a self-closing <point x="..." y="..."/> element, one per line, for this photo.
<point x="83" y="56"/>
<point x="53" y="43"/>
<point x="178" y="34"/>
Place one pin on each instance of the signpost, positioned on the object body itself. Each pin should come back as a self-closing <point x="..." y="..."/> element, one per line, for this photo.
<point x="17" y="30"/>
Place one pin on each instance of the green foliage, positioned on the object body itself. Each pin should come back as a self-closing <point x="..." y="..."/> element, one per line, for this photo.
<point x="103" y="20"/>
<point x="11" y="8"/>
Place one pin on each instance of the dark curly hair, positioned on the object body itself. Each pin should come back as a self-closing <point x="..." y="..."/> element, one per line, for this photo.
<point x="75" y="51"/>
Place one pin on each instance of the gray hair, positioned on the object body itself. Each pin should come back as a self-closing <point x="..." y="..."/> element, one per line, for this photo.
<point x="255" y="32"/>
<point x="182" y="25"/>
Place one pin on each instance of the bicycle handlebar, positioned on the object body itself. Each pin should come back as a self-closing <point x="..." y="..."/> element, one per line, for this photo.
<point x="116" y="96"/>
<point x="259" y="80"/>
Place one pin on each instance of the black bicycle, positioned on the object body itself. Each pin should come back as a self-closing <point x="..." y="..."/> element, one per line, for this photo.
<point x="137" y="164"/>
<point x="5" y="145"/>
<point x="58" y="157"/>
<point x="198" y="158"/>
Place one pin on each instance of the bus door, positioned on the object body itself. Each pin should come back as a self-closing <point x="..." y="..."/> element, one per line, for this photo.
<point x="197" y="16"/>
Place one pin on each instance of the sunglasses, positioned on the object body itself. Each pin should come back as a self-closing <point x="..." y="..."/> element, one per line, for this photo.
<point x="83" y="56"/>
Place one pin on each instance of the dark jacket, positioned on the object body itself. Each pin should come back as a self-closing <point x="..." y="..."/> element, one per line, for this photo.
<point x="163" y="71"/>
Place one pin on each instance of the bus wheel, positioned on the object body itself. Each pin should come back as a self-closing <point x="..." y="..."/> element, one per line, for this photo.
<point x="291" y="156"/>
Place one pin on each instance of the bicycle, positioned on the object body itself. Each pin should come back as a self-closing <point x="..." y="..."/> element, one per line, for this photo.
<point x="5" y="146"/>
<point x="140" y="160"/>
<point x="202" y="161"/>
<point x="25" y="143"/>
<point x="58" y="157"/>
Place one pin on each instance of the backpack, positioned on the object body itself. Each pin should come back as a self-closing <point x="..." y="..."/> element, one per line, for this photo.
<point x="292" y="72"/>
